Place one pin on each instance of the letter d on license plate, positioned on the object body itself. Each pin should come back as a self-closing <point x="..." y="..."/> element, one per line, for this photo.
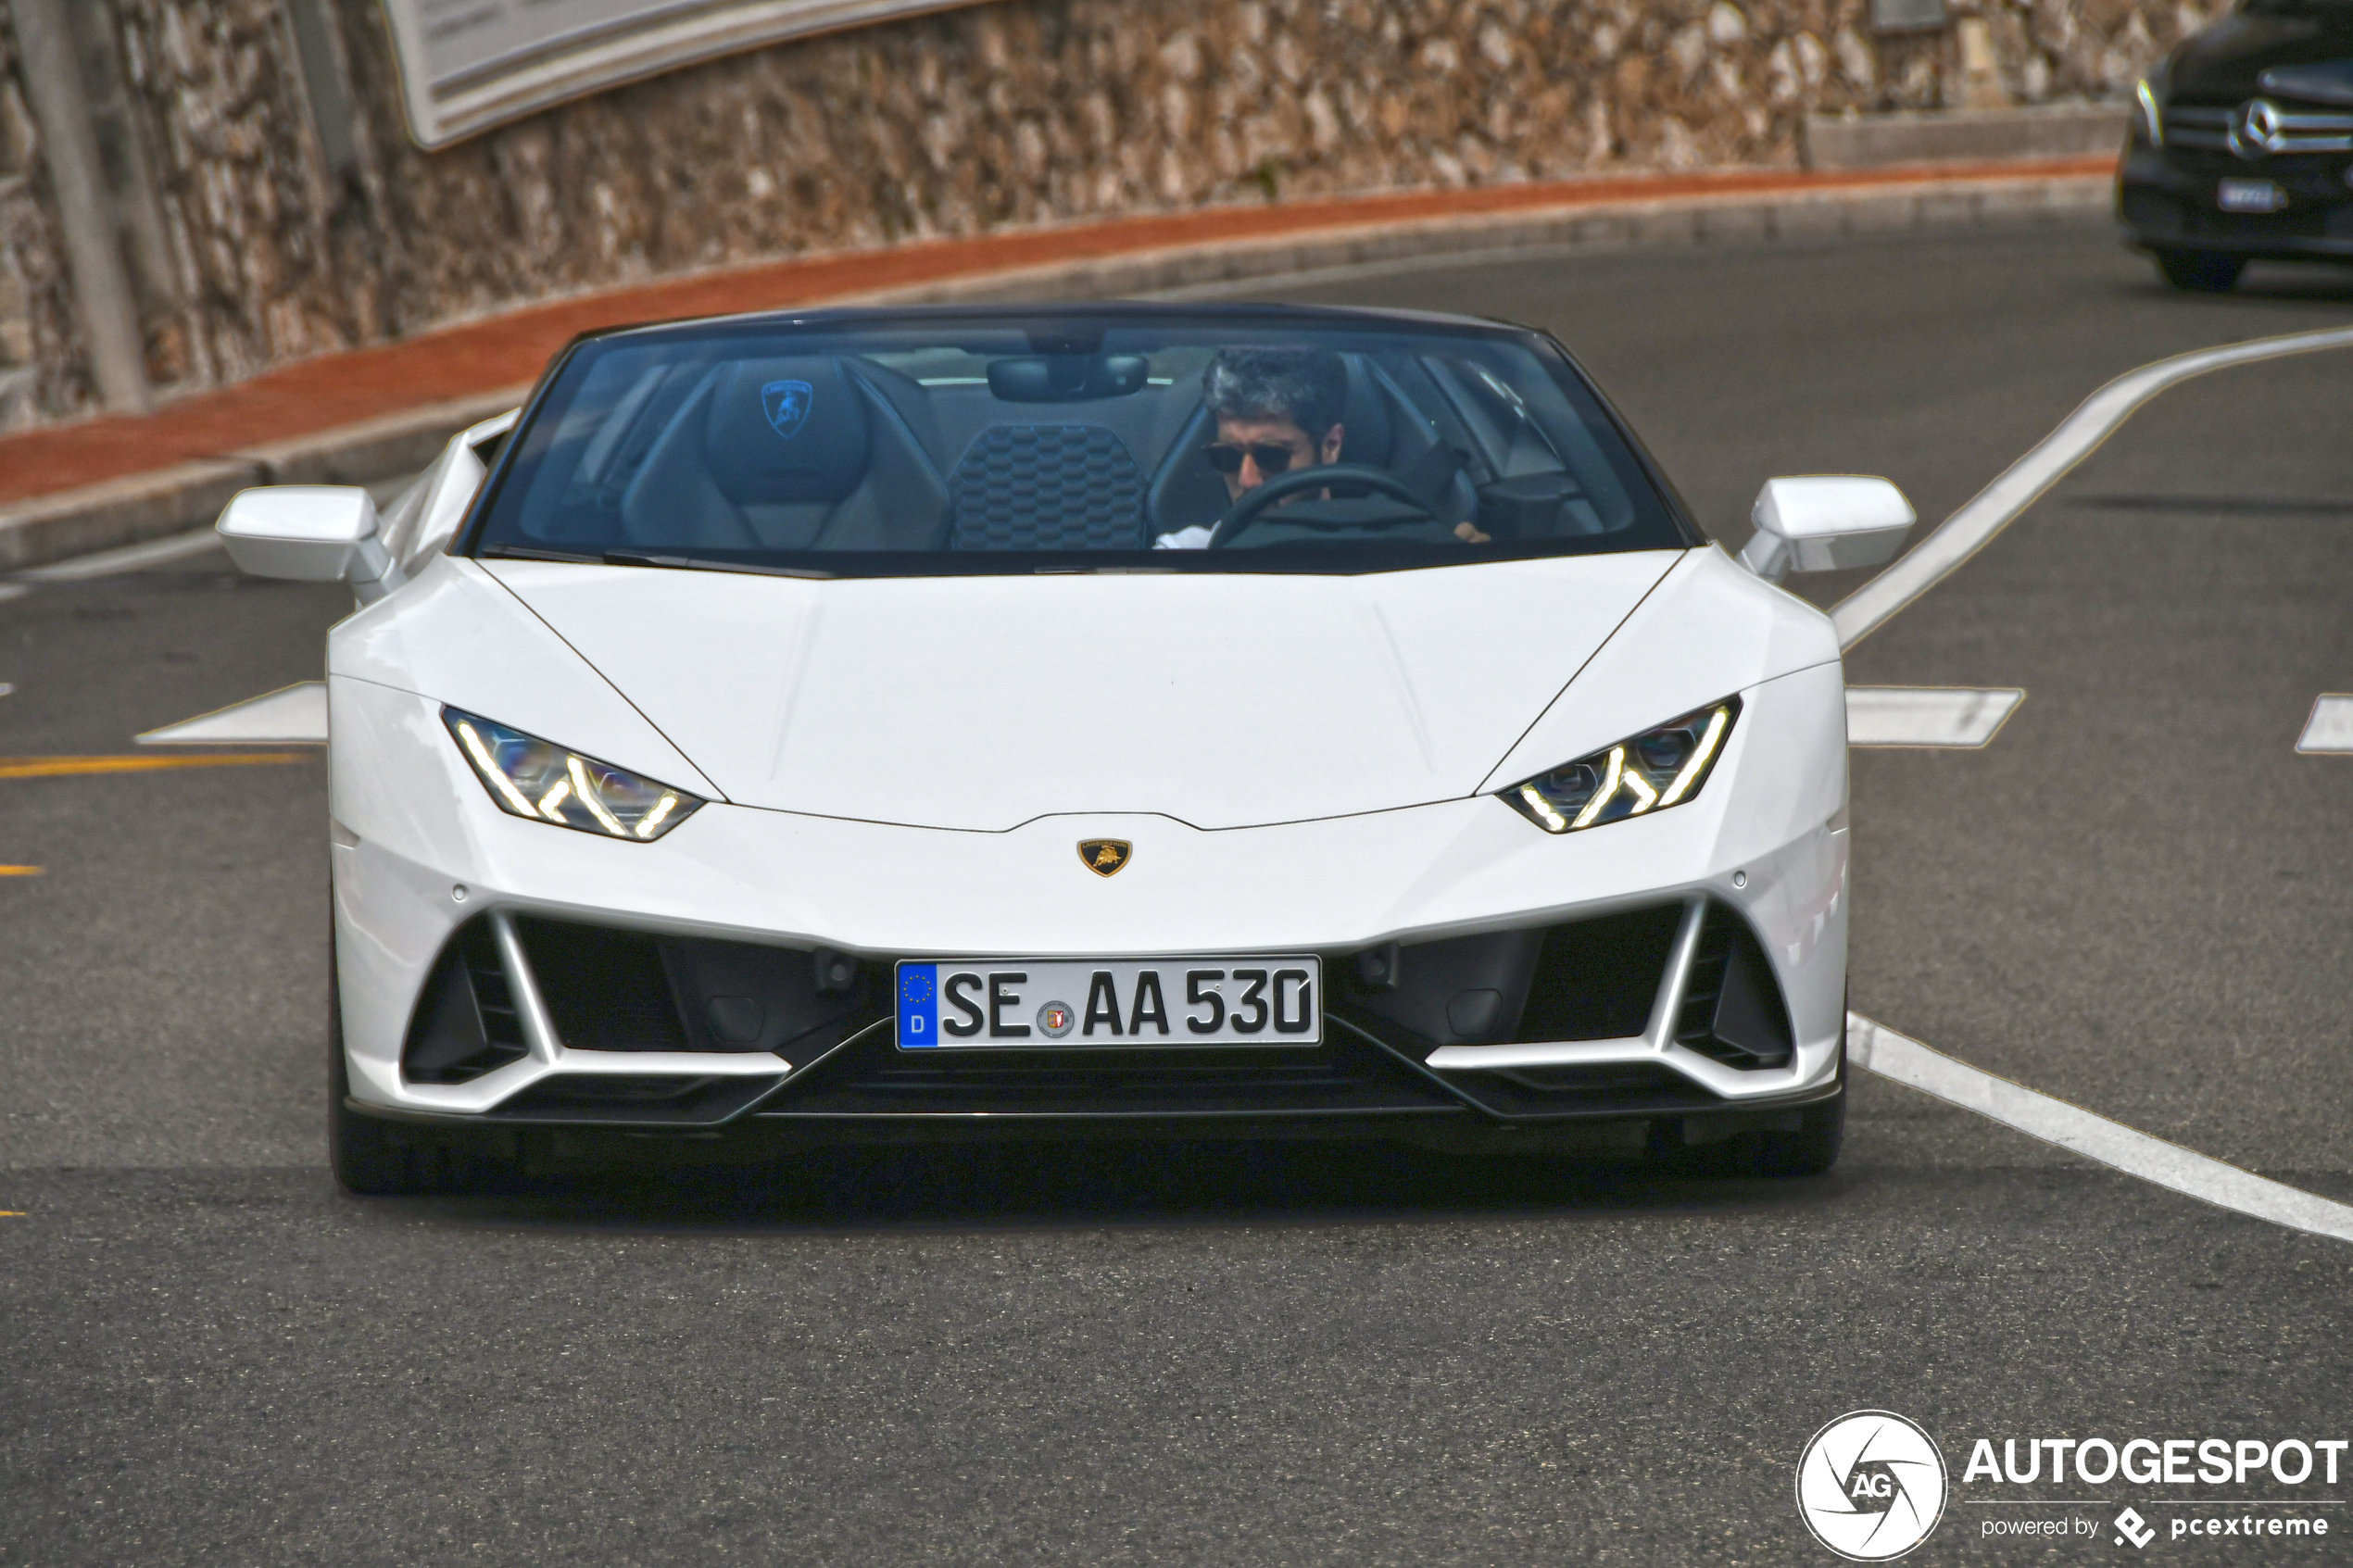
<point x="1047" y="1004"/>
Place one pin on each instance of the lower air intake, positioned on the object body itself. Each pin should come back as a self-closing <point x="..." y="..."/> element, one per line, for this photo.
<point x="1732" y="1009"/>
<point x="465" y="1024"/>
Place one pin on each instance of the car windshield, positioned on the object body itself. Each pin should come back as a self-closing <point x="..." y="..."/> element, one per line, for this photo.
<point x="957" y="442"/>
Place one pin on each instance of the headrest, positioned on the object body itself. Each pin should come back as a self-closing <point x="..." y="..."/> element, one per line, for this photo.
<point x="783" y="431"/>
<point x="1366" y="432"/>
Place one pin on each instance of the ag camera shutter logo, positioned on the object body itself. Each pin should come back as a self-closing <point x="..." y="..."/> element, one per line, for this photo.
<point x="1871" y="1486"/>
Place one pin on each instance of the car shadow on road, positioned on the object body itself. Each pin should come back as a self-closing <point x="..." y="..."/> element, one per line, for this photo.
<point x="2264" y="283"/>
<point x="1020" y="1186"/>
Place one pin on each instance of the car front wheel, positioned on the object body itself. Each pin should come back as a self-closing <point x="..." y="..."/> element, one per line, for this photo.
<point x="377" y="1159"/>
<point x="1812" y="1148"/>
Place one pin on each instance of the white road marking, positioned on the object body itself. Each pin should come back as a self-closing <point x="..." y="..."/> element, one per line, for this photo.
<point x="2330" y="730"/>
<point x="1999" y="503"/>
<point x="129" y="557"/>
<point x="1891" y="1055"/>
<point x="12" y="590"/>
<point x="7" y="686"/>
<point x="1938" y="716"/>
<point x="293" y="715"/>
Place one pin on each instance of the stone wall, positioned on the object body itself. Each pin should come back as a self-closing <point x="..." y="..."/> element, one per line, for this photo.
<point x="43" y="368"/>
<point x="1012" y="113"/>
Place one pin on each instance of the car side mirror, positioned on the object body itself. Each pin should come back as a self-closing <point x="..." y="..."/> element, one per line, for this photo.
<point x="309" y="534"/>
<point x="1826" y="522"/>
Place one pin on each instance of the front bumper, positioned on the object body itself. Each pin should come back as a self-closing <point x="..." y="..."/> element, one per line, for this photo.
<point x="2167" y="199"/>
<point x="1683" y="966"/>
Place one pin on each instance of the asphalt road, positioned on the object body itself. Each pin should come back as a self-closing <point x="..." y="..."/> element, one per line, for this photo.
<point x="2133" y="898"/>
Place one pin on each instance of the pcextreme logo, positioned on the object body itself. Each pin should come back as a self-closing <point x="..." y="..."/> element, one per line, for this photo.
<point x="1871" y="1486"/>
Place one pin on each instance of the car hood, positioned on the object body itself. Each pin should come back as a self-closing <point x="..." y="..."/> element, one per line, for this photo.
<point x="1223" y="700"/>
<point x="2224" y="65"/>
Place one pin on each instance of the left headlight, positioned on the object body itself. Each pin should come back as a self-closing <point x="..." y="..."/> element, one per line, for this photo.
<point x="530" y="777"/>
<point x="1656" y="770"/>
<point x="2149" y="111"/>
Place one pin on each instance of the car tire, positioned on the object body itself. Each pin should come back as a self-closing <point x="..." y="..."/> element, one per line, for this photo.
<point x="379" y="1159"/>
<point x="2200" y="271"/>
<point x="1812" y="1148"/>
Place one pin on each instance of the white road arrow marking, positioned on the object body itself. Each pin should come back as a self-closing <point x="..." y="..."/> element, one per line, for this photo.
<point x="1936" y="716"/>
<point x="1883" y="1051"/>
<point x="2022" y="483"/>
<point x="2329" y="731"/>
<point x="293" y="715"/>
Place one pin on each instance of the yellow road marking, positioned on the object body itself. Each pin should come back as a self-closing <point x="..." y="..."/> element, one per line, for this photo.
<point x="14" y="1214"/>
<point x="60" y="767"/>
<point x="20" y="870"/>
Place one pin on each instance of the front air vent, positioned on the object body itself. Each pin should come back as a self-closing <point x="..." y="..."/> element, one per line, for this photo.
<point x="1597" y="979"/>
<point x="609" y="989"/>
<point x="1732" y="1010"/>
<point x="606" y="990"/>
<point x="466" y="1024"/>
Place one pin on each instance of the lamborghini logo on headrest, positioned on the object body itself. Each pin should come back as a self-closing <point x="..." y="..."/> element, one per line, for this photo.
<point x="787" y="404"/>
<point x="1104" y="857"/>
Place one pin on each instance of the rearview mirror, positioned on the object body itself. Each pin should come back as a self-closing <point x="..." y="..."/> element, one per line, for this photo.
<point x="309" y="534"/>
<point x="1825" y="522"/>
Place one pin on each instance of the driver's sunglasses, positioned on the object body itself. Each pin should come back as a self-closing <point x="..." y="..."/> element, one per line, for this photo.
<point x="1225" y="457"/>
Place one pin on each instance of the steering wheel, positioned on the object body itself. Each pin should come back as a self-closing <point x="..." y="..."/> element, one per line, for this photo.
<point x="1245" y="512"/>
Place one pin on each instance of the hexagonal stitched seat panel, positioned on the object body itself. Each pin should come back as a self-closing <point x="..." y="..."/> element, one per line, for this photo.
<point x="1047" y="487"/>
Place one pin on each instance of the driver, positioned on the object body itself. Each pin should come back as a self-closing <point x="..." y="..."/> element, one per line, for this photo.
<point x="1276" y="409"/>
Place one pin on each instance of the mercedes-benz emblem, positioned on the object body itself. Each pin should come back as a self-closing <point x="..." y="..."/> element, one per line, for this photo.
<point x="2256" y="131"/>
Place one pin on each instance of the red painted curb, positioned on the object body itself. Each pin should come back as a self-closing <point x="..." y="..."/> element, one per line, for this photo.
<point x="509" y="349"/>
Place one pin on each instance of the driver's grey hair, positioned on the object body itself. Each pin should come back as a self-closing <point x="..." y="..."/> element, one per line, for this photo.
<point x="1307" y="386"/>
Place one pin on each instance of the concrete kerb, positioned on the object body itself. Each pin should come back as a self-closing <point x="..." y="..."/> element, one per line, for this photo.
<point x="167" y="501"/>
<point x="1637" y="225"/>
<point x="122" y="511"/>
<point x="142" y="507"/>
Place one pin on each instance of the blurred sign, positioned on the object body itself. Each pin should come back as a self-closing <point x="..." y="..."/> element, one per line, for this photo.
<point x="1908" y="16"/>
<point x="467" y="65"/>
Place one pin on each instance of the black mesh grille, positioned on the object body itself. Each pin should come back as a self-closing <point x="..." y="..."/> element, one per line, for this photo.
<point x="606" y="990"/>
<point x="1047" y="487"/>
<point x="1595" y="979"/>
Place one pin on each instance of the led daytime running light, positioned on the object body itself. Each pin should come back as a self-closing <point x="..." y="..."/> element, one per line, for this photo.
<point x="537" y="778"/>
<point x="1654" y="771"/>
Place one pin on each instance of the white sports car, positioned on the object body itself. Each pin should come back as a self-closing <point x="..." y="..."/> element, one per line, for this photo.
<point x="1234" y="722"/>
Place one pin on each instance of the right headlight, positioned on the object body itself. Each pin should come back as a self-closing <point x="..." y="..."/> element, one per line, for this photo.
<point x="530" y="777"/>
<point x="1656" y="770"/>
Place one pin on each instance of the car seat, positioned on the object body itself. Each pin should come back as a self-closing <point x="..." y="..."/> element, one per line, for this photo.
<point x="786" y="454"/>
<point x="1046" y="487"/>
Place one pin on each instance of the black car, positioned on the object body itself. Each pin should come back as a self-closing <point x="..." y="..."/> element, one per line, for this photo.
<point x="2243" y="144"/>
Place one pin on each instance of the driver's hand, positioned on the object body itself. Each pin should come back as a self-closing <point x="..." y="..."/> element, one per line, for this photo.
<point x="1470" y="535"/>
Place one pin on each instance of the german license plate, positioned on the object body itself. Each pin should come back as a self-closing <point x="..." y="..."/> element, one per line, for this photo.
<point x="1034" y="1004"/>
<point x="2249" y="196"/>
